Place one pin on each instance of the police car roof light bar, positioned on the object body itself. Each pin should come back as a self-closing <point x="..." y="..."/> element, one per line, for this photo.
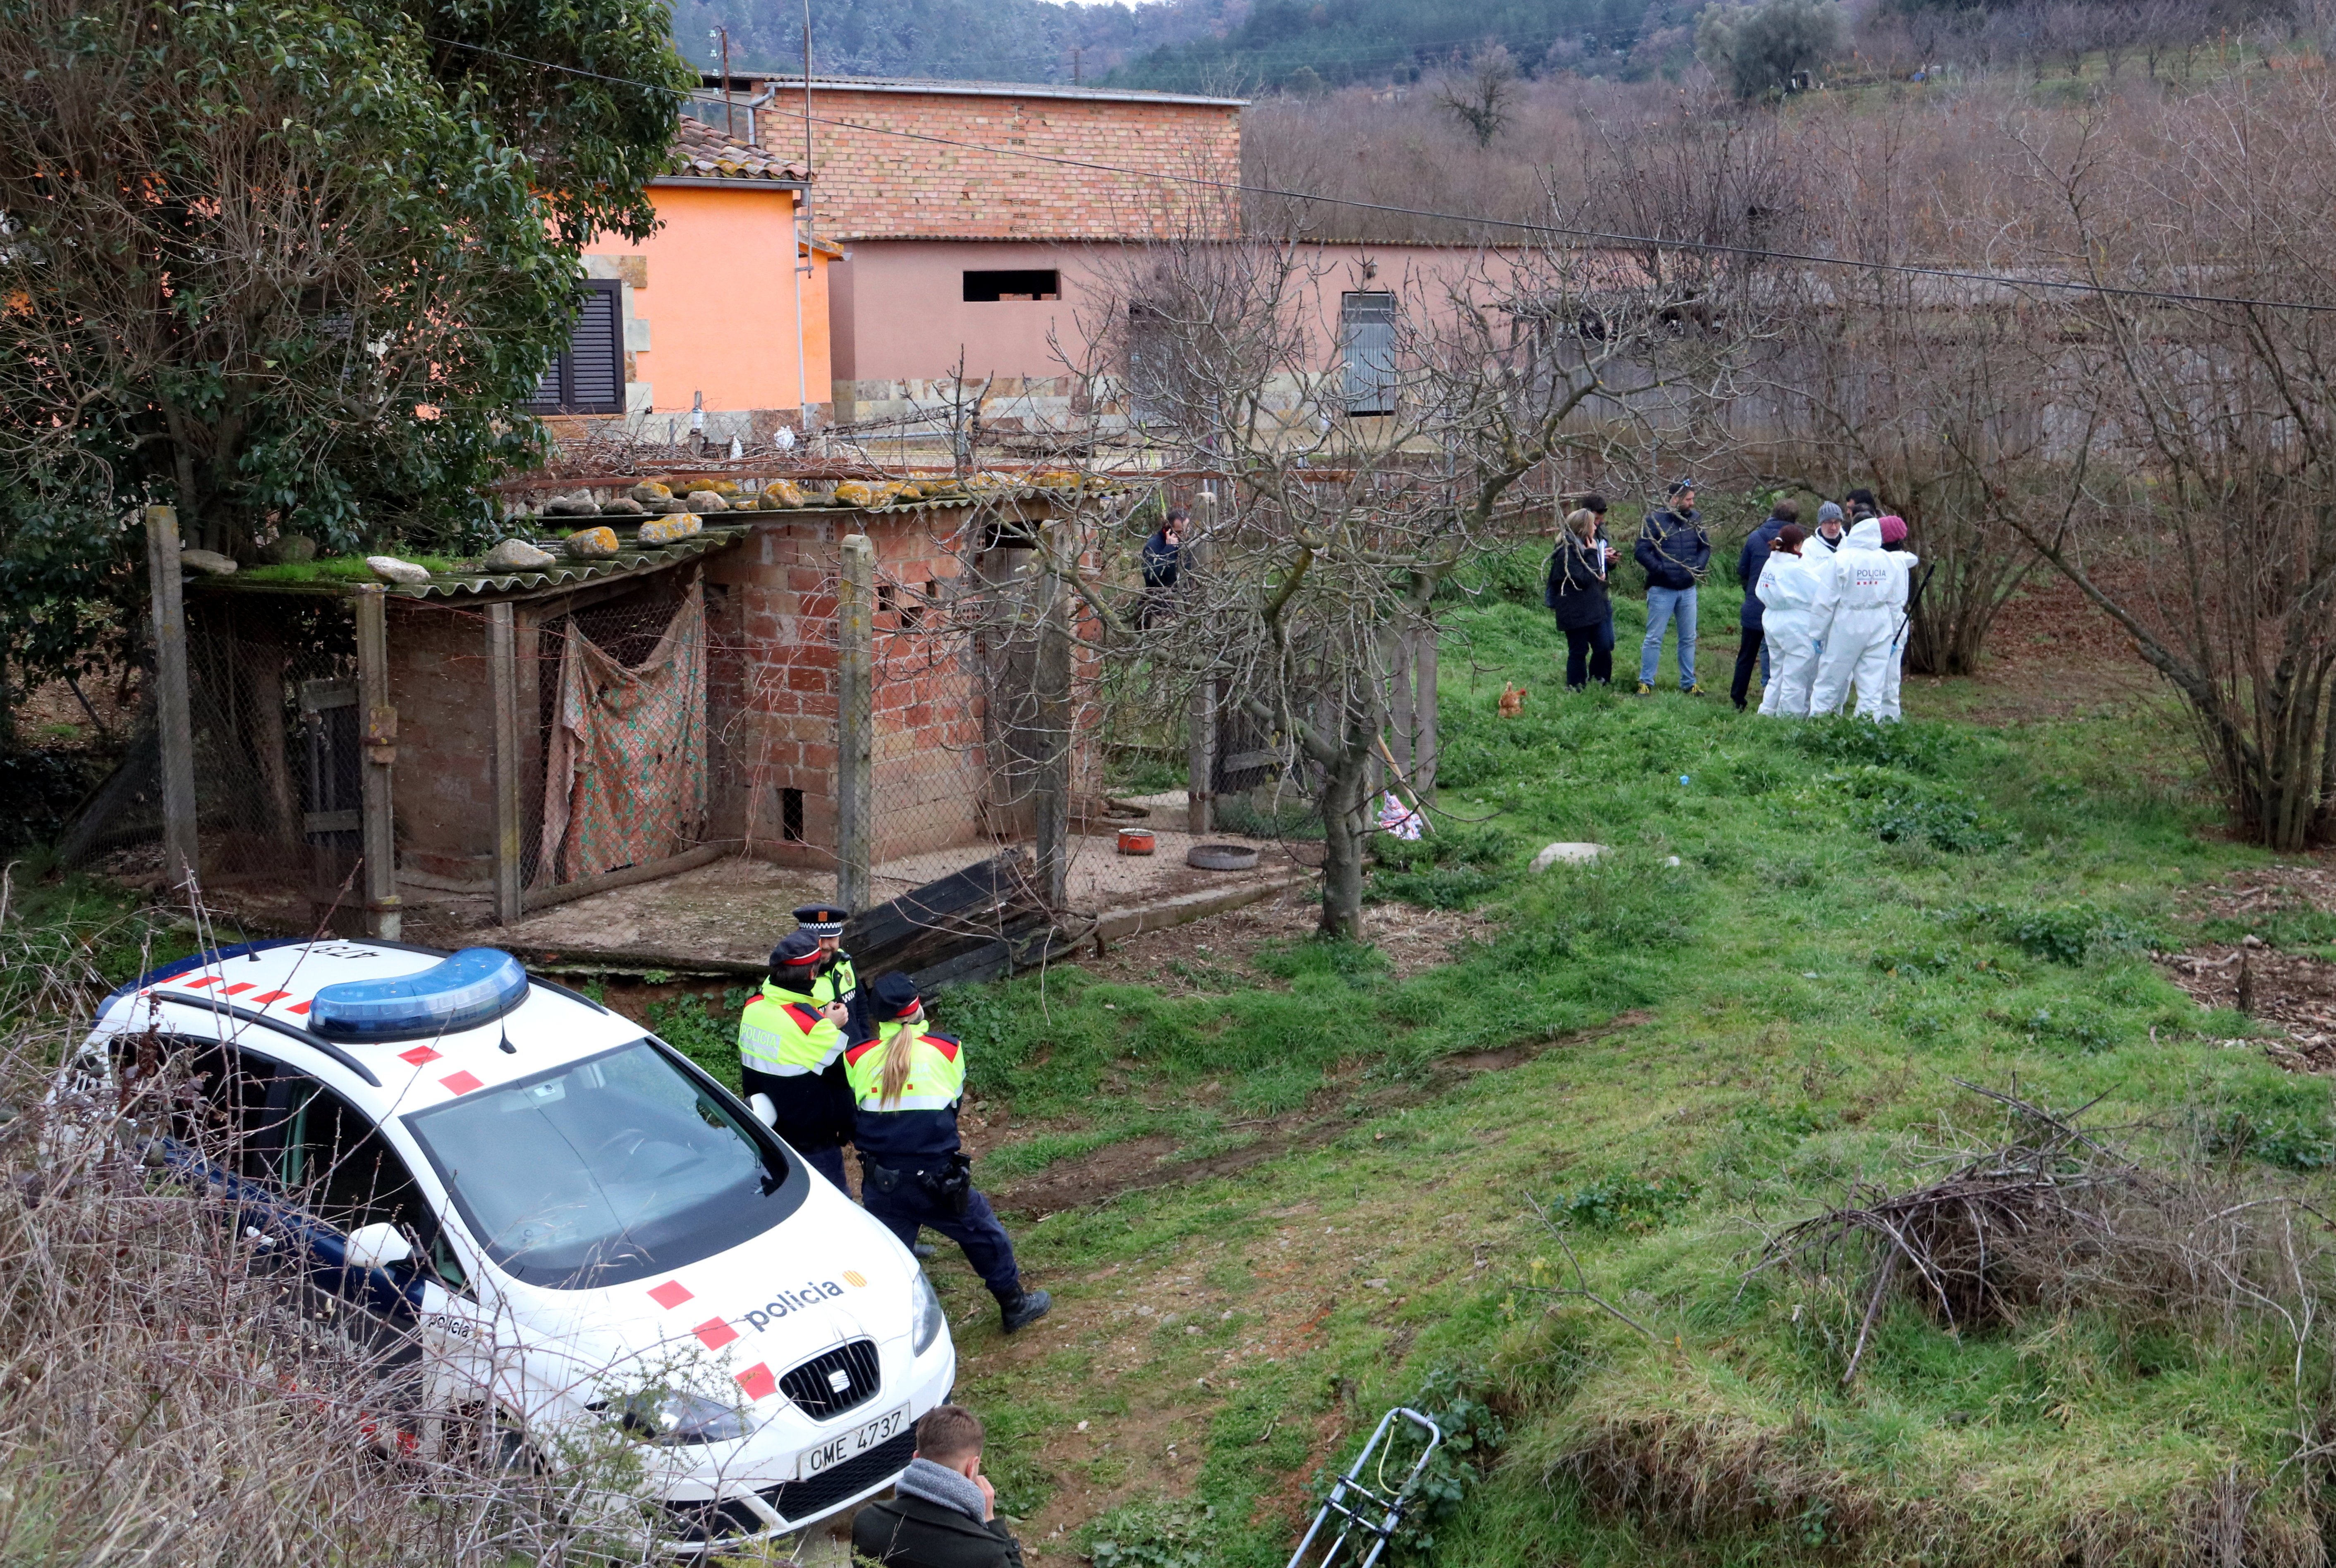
<point x="1354" y="1501"/>
<point x="476" y="986"/>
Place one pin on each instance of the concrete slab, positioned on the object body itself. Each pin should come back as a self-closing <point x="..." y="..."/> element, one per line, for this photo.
<point x="728" y="915"/>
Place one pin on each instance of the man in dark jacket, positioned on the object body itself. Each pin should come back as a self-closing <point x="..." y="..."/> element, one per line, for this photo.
<point x="1748" y="562"/>
<point x="1163" y="552"/>
<point x="1676" y="553"/>
<point x="943" y="1513"/>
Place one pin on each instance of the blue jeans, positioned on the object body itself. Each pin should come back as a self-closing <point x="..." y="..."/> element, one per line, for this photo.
<point x="1669" y="604"/>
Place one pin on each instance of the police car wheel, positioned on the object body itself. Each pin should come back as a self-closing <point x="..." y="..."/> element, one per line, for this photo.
<point x="491" y="1442"/>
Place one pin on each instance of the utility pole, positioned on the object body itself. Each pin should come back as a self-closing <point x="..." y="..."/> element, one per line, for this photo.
<point x="810" y="238"/>
<point x="729" y="115"/>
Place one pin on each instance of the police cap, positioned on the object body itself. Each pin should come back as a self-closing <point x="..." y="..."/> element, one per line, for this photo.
<point x="822" y="920"/>
<point x="894" y="996"/>
<point x="792" y="962"/>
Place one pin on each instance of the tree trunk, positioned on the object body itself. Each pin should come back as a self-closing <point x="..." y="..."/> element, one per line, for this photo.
<point x="1345" y="829"/>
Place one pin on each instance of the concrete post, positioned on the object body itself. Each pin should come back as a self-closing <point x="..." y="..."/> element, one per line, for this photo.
<point x="855" y="722"/>
<point x="1423" y="761"/>
<point x="376" y="817"/>
<point x="174" y="720"/>
<point x="1052" y="672"/>
<point x="1201" y="719"/>
<point x="502" y="675"/>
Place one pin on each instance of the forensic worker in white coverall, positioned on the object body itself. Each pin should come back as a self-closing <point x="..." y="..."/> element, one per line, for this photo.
<point x="1786" y="586"/>
<point x="1893" y="538"/>
<point x="1860" y="604"/>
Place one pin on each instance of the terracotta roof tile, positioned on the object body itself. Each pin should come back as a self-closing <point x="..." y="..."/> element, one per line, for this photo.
<point x="702" y="152"/>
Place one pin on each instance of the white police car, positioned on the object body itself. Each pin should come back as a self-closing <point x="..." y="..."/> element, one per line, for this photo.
<point x="573" y="1228"/>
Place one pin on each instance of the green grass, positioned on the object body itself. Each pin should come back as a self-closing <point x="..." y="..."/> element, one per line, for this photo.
<point x="337" y="569"/>
<point x="1858" y="918"/>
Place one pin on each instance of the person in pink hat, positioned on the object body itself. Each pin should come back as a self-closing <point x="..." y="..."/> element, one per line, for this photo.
<point x="1893" y="540"/>
<point x="1861" y="607"/>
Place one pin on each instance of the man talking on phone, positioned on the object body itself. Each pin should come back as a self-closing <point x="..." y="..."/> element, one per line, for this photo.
<point x="943" y="1513"/>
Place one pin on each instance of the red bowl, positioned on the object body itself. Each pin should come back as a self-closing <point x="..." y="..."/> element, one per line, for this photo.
<point x="1136" y="841"/>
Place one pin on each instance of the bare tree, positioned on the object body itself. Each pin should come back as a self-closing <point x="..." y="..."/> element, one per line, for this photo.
<point x="1370" y="434"/>
<point x="1920" y="387"/>
<point x="1483" y="97"/>
<point x="2208" y="532"/>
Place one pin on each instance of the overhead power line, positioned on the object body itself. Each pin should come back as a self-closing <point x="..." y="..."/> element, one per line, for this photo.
<point x="1557" y="231"/>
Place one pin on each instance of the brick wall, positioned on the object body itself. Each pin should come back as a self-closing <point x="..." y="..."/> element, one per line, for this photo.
<point x="872" y="184"/>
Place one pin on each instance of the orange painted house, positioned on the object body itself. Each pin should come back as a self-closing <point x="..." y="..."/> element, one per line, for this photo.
<point x="713" y="326"/>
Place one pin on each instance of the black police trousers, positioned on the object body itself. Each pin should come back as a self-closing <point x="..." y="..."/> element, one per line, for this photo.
<point x="894" y="1196"/>
<point x="806" y="1121"/>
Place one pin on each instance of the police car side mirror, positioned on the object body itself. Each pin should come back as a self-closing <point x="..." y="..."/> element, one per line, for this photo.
<point x="765" y="1111"/>
<point x="379" y="1246"/>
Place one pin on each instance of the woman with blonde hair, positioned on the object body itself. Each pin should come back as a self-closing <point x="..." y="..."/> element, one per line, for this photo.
<point x="906" y="1082"/>
<point x="1576" y="593"/>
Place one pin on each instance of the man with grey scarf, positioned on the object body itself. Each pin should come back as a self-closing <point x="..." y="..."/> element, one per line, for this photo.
<point x="943" y="1513"/>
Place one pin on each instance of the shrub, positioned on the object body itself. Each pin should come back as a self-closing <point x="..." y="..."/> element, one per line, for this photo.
<point x="1157" y="1532"/>
<point x="2064" y="933"/>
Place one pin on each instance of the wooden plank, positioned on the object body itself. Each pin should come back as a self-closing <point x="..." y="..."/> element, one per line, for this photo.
<point x="379" y="722"/>
<point x="502" y="676"/>
<point x="994" y="884"/>
<point x="536" y="898"/>
<point x="174" y="719"/>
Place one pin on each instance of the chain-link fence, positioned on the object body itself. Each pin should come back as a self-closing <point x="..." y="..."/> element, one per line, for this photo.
<point x="273" y="704"/>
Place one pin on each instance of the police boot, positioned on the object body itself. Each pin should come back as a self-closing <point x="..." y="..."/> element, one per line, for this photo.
<point x="1022" y="1308"/>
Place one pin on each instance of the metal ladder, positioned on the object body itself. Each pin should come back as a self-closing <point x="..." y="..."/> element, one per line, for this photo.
<point x="1366" y="1506"/>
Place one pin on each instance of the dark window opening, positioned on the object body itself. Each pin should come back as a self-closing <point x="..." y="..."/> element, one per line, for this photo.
<point x="588" y="375"/>
<point x="912" y="612"/>
<point x="791" y="828"/>
<point x="886" y="601"/>
<point x="1028" y="283"/>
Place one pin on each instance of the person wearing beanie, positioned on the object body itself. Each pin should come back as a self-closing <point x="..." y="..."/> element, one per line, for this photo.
<point x="1829" y="527"/>
<point x="791" y="1058"/>
<point x="1788" y="587"/>
<point x="1676" y="553"/>
<point x="1893" y="674"/>
<point x="1862" y="606"/>
<point x="1575" y="593"/>
<point x="1749" y="563"/>
<point x="906" y="1084"/>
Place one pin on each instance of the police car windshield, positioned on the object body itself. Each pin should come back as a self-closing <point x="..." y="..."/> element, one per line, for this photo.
<point x="606" y="1170"/>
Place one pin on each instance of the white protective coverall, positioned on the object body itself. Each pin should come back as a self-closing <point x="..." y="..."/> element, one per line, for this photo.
<point x="1788" y="586"/>
<point x="1859" y="605"/>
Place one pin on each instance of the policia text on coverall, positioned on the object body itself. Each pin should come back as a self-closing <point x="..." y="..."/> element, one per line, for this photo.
<point x="1861" y="605"/>
<point x="906" y="1083"/>
<point x="791" y="1052"/>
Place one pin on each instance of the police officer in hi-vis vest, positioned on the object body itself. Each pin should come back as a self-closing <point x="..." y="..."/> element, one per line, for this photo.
<point x="906" y="1082"/>
<point x="837" y="981"/>
<point x="791" y="1052"/>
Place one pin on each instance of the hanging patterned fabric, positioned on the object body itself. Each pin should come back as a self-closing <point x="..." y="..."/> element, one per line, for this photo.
<point x="625" y="776"/>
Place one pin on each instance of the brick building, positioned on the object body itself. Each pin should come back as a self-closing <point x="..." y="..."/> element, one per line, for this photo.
<point x="961" y="244"/>
<point x="754" y="698"/>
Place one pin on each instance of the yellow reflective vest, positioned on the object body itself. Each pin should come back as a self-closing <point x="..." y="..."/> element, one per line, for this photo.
<point x="784" y="1034"/>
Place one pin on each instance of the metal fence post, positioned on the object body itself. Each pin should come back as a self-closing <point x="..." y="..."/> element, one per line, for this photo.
<point x="503" y="674"/>
<point x="377" y="820"/>
<point x="174" y="723"/>
<point x="855" y="722"/>
<point x="1201" y="721"/>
